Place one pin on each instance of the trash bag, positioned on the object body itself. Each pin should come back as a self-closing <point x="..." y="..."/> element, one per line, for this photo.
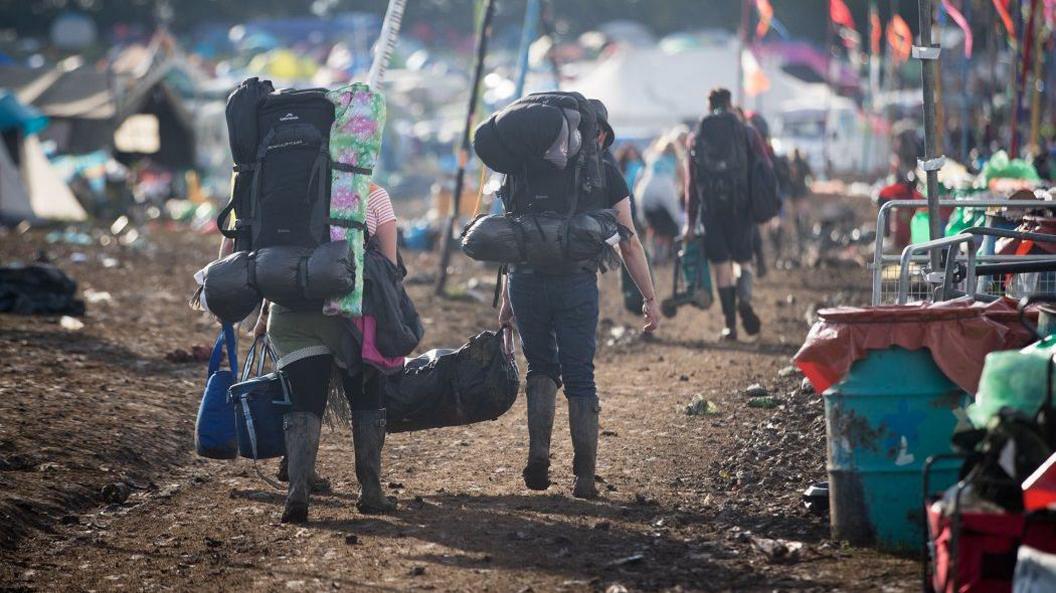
<point x="1015" y="379"/>
<point x="444" y="387"/>
<point x="229" y="293"/>
<point x="38" y="289"/>
<point x="543" y="240"/>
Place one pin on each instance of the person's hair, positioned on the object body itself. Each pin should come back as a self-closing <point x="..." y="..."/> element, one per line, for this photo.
<point x="719" y="98"/>
<point x="627" y="153"/>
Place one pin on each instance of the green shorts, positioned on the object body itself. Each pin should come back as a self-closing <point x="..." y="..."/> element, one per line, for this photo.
<point x="296" y="335"/>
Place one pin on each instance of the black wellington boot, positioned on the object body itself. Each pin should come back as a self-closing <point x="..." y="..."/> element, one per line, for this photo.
<point x="728" y="300"/>
<point x="302" y="445"/>
<point x="541" y="393"/>
<point x="583" y="424"/>
<point x="368" y="436"/>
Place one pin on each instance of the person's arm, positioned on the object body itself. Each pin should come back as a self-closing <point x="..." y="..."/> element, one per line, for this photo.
<point x="261" y="327"/>
<point x="227" y="246"/>
<point x="386" y="234"/>
<point x="505" y="308"/>
<point x="638" y="267"/>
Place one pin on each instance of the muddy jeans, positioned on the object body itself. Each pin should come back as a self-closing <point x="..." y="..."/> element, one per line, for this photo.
<point x="557" y="319"/>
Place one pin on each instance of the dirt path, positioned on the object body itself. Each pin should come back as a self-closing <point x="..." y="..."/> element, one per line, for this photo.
<point x="687" y="497"/>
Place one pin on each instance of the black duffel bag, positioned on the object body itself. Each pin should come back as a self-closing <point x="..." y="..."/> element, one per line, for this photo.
<point x="544" y="240"/>
<point x="445" y="387"/>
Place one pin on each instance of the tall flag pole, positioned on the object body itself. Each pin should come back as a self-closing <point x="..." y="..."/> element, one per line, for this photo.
<point x="390" y="33"/>
<point x="932" y="161"/>
<point x="529" y="31"/>
<point x="463" y="153"/>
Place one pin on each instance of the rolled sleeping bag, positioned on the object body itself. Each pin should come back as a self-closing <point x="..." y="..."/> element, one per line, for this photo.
<point x="542" y="240"/>
<point x="517" y="134"/>
<point x="303" y="277"/>
<point x="229" y="293"/>
<point x="494" y="238"/>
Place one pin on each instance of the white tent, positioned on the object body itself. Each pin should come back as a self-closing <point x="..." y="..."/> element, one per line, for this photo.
<point x="39" y="193"/>
<point x="649" y="90"/>
<point x="14" y="199"/>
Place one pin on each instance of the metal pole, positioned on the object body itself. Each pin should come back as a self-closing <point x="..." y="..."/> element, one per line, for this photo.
<point x="463" y="152"/>
<point x="928" y="54"/>
<point x="743" y="39"/>
<point x="528" y="34"/>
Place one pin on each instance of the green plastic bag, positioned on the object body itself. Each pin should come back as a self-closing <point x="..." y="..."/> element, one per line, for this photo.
<point x="697" y="274"/>
<point x="918" y="228"/>
<point x="963" y="218"/>
<point x="1014" y="379"/>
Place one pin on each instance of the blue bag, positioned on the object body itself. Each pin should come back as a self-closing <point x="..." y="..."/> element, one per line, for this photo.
<point x="214" y="429"/>
<point x="260" y="403"/>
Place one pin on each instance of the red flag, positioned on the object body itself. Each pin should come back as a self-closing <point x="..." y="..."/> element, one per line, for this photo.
<point x="962" y="23"/>
<point x="840" y="14"/>
<point x="1002" y="11"/>
<point x="900" y="38"/>
<point x="875" y="31"/>
<point x="766" y="14"/>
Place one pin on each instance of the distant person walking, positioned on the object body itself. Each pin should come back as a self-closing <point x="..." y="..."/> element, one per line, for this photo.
<point x="658" y="192"/>
<point x="800" y="177"/>
<point x="717" y="197"/>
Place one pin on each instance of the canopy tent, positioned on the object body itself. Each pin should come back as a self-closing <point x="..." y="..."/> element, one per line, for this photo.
<point x="14" y="199"/>
<point x="649" y="90"/>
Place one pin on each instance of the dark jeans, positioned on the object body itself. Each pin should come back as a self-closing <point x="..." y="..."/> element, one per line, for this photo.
<point x="557" y="318"/>
<point x="310" y="383"/>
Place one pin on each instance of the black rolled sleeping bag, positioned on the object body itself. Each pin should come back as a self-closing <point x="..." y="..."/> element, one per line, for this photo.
<point x="542" y="240"/>
<point x="446" y="387"/>
<point x="228" y="292"/>
<point x="299" y="278"/>
<point x="509" y="138"/>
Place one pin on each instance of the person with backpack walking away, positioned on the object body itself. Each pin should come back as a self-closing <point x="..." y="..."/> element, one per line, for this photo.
<point x="309" y="345"/>
<point x="555" y="307"/>
<point x="718" y="186"/>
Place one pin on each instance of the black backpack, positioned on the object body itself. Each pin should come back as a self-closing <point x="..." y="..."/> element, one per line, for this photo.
<point x="765" y="198"/>
<point x="280" y="145"/>
<point x="514" y="140"/>
<point x="720" y="156"/>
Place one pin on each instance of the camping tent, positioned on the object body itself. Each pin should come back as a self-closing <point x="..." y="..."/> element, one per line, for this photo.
<point x="36" y="192"/>
<point x="650" y="90"/>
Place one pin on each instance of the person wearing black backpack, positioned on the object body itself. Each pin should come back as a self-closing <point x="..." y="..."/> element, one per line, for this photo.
<point x="556" y="309"/>
<point x="718" y="197"/>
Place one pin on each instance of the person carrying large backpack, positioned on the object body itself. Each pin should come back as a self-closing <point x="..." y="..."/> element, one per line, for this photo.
<point x="555" y="307"/>
<point x="281" y="198"/>
<point x="718" y="186"/>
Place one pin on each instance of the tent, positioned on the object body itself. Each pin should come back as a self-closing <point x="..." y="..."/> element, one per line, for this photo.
<point x="649" y="90"/>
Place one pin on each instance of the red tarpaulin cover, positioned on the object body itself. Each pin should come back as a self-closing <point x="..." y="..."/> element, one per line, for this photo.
<point x="959" y="333"/>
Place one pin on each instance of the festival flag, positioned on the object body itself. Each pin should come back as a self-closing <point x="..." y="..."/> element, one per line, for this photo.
<point x="962" y="22"/>
<point x="875" y="30"/>
<point x="1002" y="11"/>
<point x="841" y="14"/>
<point x="766" y="15"/>
<point x="900" y="38"/>
<point x="755" y="80"/>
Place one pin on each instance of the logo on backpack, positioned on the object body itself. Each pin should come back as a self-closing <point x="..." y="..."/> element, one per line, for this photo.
<point x="289" y="117"/>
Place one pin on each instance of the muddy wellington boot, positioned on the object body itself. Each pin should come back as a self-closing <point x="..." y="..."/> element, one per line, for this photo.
<point x="302" y="444"/>
<point x="583" y="424"/>
<point x="749" y="320"/>
<point x="320" y="485"/>
<point x="728" y="300"/>
<point x="368" y="436"/>
<point x="541" y="393"/>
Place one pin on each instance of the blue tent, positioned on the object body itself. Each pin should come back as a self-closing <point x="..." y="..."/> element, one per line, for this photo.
<point x="13" y="114"/>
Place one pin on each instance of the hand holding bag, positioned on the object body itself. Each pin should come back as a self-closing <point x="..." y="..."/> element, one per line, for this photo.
<point x="214" y="428"/>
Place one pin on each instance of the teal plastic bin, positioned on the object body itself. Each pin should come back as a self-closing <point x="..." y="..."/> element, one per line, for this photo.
<point x="893" y="410"/>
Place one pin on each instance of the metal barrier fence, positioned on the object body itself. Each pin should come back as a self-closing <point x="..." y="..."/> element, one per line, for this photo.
<point x="888" y="269"/>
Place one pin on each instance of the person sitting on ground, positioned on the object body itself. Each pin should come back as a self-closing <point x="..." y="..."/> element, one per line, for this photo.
<point x="556" y="314"/>
<point x="717" y="186"/>
<point x="310" y="345"/>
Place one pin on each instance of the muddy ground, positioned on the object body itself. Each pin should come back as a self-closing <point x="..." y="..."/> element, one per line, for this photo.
<point x="690" y="502"/>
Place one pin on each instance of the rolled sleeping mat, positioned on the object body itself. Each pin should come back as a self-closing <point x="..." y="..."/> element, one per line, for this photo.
<point x="516" y="135"/>
<point x="302" y="277"/>
<point x="229" y="293"/>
